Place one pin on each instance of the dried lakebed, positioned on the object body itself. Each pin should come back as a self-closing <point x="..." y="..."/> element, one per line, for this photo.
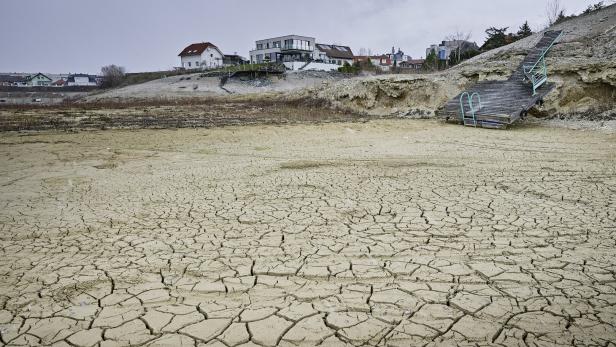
<point x="390" y="233"/>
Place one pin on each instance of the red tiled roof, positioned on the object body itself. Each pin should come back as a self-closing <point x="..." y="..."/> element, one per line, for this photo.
<point x="197" y="49"/>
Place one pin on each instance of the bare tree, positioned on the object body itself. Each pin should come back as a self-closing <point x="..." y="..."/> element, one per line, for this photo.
<point x="113" y="76"/>
<point x="553" y="10"/>
<point x="459" y="38"/>
<point x="365" y="52"/>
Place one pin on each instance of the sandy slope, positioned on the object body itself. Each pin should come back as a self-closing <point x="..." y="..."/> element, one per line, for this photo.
<point x="191" y="86"/>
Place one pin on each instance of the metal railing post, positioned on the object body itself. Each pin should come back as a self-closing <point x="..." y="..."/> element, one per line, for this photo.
<point x="462" y="104"/>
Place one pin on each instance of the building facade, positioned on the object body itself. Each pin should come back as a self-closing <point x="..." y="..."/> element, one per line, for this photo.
<point x="12" y="80"/>
<point x="233" y="59"/>
<point x="81" y="80"/>
<point x="333" y="54"/>
<point x="444" y="50"/>
<point x="413" y="64"/>
<point x="201" y="56"/>
<point x="283" y="49"/>
<point x="38" y="80"/>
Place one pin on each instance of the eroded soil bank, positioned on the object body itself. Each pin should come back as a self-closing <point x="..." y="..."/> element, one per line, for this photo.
<point x="395" y="233"/>
<point x="167" y="114"/>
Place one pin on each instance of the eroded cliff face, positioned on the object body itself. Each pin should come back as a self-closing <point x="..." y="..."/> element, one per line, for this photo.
<point x="582" y="65"/>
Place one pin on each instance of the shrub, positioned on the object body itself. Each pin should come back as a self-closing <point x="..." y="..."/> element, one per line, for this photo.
<point x="113" y="76"/>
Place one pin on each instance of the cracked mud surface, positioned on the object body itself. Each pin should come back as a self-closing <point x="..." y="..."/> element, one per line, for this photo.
<point x="389" y="233"/>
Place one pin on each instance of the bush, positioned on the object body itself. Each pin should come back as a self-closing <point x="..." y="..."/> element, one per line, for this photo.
<point x="348" y="68"/>
<point x="592" y="8"/>
<point x="113" y="76"/>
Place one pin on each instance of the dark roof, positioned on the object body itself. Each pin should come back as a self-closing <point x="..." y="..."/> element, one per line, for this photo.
<point x="197" y="49"/>
<point x="38" y="74"/>
<point x="12" y="78"/>
<point x="335" y="51"/>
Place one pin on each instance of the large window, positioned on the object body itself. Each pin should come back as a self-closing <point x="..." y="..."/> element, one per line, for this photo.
<point x="259" y="46"/>
<point x="298" y="44"/>
<point x="276" y="44"/>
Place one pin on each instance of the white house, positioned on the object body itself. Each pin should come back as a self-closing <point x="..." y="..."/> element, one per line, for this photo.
<point x="37" y="80"/>
<point x="81" y="80"/>
<point x="334" y="54"/>
<point x="202" y="55"/>
<point x="290" y="48"/>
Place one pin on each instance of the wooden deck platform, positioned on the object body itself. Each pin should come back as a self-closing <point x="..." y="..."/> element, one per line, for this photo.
<point x="504" y="102"/>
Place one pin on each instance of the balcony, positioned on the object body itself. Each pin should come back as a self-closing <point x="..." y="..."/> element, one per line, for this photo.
<point x="303" y="48"/>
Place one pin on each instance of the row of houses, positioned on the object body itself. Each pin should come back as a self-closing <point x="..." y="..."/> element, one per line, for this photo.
<point x="444" y="50"/>
<point x="288" y="50"/>
<point x="43" y="80"/>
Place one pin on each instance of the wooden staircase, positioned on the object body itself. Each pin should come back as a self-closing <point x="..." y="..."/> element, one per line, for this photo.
<point x="502" y="103"/>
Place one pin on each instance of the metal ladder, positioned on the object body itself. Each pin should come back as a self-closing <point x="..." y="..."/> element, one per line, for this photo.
<point x="472" y="119"/>
<point x="537" y="73"/>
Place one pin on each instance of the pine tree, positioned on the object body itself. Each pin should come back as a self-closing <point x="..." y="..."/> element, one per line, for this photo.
<point x="431" y="62"/>
<point x="525" y="31"/>
<point x="497" y="37"/>
<point x="561" y="17"/>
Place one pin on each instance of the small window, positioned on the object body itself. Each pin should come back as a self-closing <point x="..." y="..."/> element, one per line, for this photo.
<point x="189" y="64"/>
<point x="211" y="55"/>
<point x="196" y="63"/>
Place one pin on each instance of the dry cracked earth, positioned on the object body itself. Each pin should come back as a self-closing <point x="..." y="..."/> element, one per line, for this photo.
<point x="387" y="233"/>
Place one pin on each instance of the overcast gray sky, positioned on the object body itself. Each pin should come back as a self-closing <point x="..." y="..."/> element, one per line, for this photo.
<point x="60" y="36"/>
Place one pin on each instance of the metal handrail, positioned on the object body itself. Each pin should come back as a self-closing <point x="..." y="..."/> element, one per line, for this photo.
<point x="538" y="75"/>
<point x="545" y="51"/>
<point x="470" y="100"/>
<point x="462" y="104"/>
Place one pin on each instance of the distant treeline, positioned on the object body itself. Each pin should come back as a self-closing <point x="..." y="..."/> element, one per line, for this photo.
<point x="68" y="89"/>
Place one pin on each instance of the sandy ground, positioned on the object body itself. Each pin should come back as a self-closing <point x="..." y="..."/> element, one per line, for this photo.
<point x="392" y="232"/>
<point x="194" y="85"/>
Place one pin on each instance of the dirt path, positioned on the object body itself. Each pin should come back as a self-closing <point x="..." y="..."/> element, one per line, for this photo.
<point x="396" y="233"/>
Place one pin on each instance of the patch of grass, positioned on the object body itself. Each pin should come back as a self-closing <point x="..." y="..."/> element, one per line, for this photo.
<point x="142" y="77"/>
<point x="303" y="164"/>
<point x="106" y="166"/>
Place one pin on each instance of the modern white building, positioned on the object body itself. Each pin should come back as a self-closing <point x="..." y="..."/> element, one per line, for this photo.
<point x="288" y="48"/>
<point x="204" y="55"/>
